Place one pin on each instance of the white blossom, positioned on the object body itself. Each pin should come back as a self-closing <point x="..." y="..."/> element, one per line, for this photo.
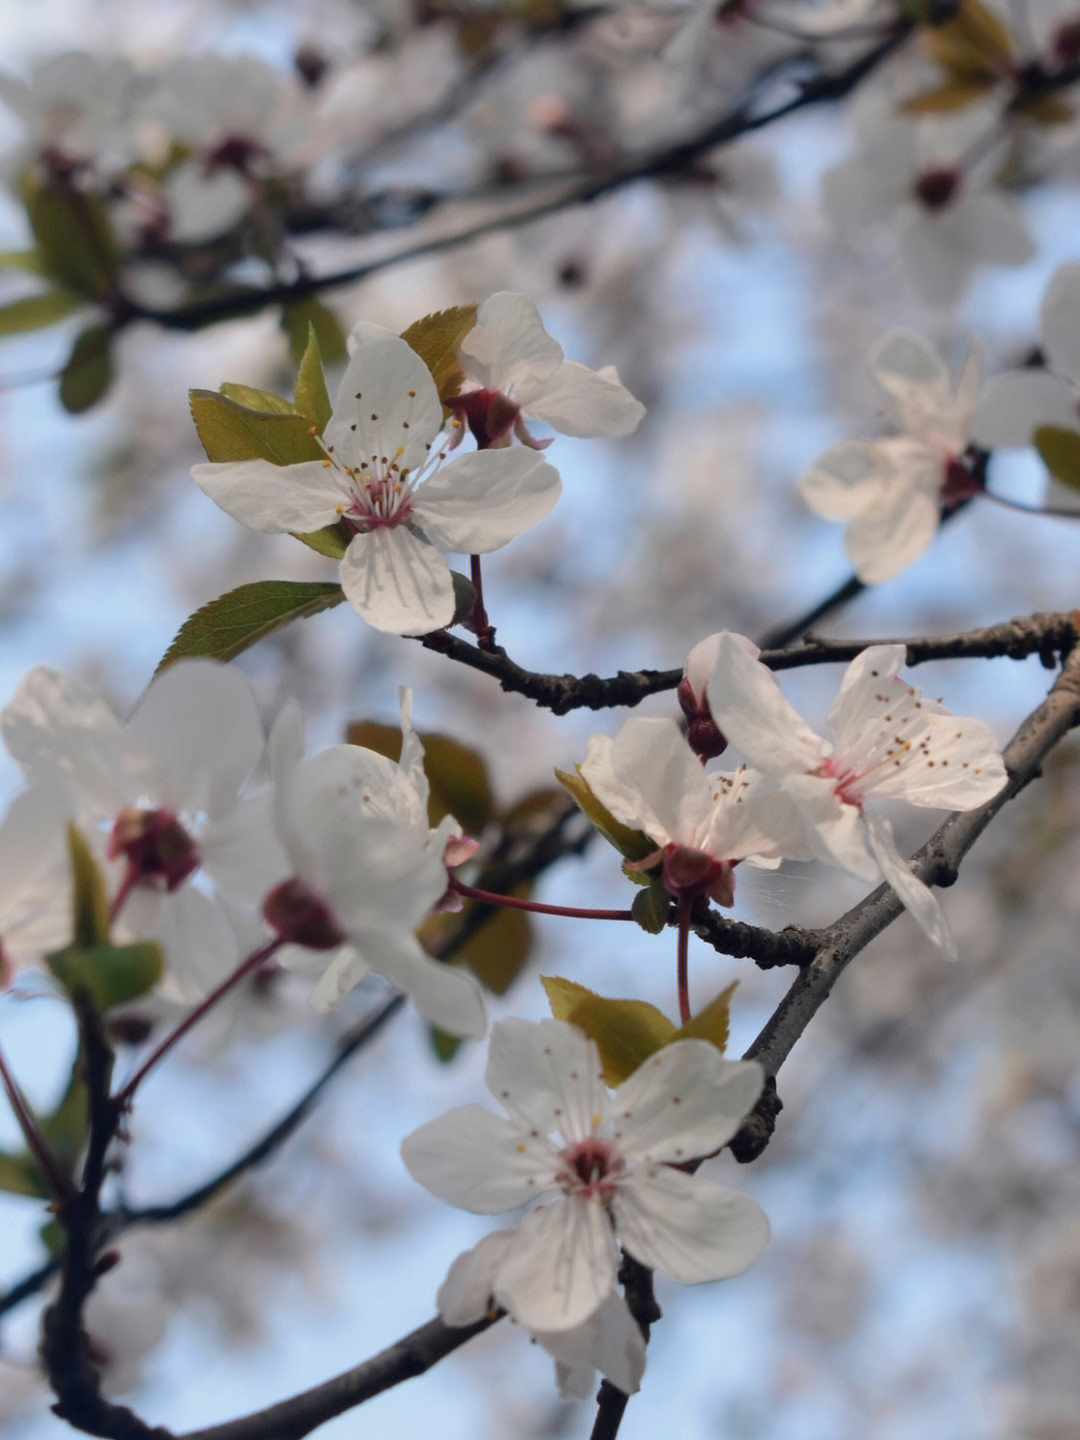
<point x="383" y="477"/>
<point x="892" y="492"/>
<point x="521" y="374"/>
<point x="365" y="870"/>
<point x="157" y="796"/>
<point x="888" y="742"/>
<point x="609" y="1160"/>
<point x="703" y="822"/>
<point x="912" y="175"/>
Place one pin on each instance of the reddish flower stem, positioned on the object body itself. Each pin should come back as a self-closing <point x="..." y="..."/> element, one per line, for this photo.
<point x="682" y="954"/>
<point x="1053" y="512"/>
<point x="47" y="1163"/>
<point x="478" y="622"/>
<point x="535" y="907"/>
<point x="123" y="1100"/>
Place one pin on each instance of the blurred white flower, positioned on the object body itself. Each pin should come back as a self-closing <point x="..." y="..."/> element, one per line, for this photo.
<point x="892" y="492"/>
<point x="157" y="797"/>
<point x="366" y="870"/>
<point x="609" y="1158"/>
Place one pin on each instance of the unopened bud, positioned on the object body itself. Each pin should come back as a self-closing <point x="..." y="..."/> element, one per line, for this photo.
<point x="296" y="913"/>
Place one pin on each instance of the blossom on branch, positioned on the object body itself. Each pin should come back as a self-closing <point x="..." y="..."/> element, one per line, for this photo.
<point x="519" y="373"/>
<point x="703" y="822"/>
<point x="366" y="870"/>
<point x="889" y="742"/>
<point x="610" y="1161"/>
<point x="893" y="492"/>
<point x="158" y="797"/>
<point x="383" y="477"/>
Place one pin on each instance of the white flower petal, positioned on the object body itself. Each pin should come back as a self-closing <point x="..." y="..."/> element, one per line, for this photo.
<point x="386" y="404"/>
<point x="200" y="724"/>
<point x="650" y="760"/>
<point x="476" y="1161"/>
<point x="916" y="898"/>
<point x="586" y="403"/>
<point x="846" y="479"/>
<point x="833" y="828"/>
<point x="911" y="373"/>
<point x="275" y="499"/>
<point x="483" y="501"/>
<point x="750" y="709"/>
<point x="397" y="581"/>
<point x="509" y="349"/>
<point x="547" y="1076"/>
<point x="1061" y="322"/>
<point x="56" y="725"/>
<point x="562" y="1267"/>
<point x="465" y="1296"/>
<point x="688" y="1228"/>
<point x="683" y="1102"/>
<point x="444" y="995"/>
<point x="1017" y="403"/>
<point x="610" y="1341"/>
<point x="898" y="527"/>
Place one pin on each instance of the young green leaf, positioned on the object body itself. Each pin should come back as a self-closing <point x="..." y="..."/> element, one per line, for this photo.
<point x="230" y="431"/>
<point x="89" y="370"/>
<point x="632" y="844"/>
<point x="312" y="396"/>
<point x="711" y="1023"/>
<point x="625" y="1032"/>
<point x="264" y="401"/>
<point x="1059" y="450"/>
<point x="436" y="338"/>
<point x="236" y="620"/>
<point x="35" y="312"/>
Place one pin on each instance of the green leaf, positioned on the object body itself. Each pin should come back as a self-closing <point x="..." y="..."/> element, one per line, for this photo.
<point x="633" y="844"/>
<point x="236" y="620"/>
<point x="298" y="320"/>
<point x="34" y="312"/>
<point x="436" y="338"/>
<point x="230" y="431"/>
<point x="1060" y="452"/>
<point x="19" y="1175"/>
<point x="65" y="1129"/>
<point x="498" y="951"/>
<point x="626" y="1032"/>
<point x="31" y="262"/>
<point x="91" y="899"/>
<point x="262" y="401"/>
<point x="711" y="1023"/>
<point x="312" y="396"/>
<point x="107" y="975"/>
<point x="464" y="597"/>
<point x="76" y="241"/>
<point x="89" y="370"/>
<point x="651" y="906"/>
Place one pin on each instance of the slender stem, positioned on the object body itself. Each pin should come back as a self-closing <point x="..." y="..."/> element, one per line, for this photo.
<point x="682" y="951"/>
<point x="253" y="961"/>
<point x="535" y="907"/>
<point x="47" y="1163"/>
<point x="1054" y="512"/>
<point x="478" y="622"/>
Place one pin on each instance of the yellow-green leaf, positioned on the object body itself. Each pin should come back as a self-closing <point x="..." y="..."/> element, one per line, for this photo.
<point x="265" y="402"/>
<point x="651" y="906"/>
<point x="498" y="950"/>
<point x="436" y="338"/>
<point x="626" y="1032"/>
<point x="633" y="844"/>
<point x="34" y="312"/>
<point x="298" y="320"/>
<point x="106" y="975"/>
<point x="31" y="262"/>
<point x="230" y="431"/>
<point x="89" y="370"/>
<point x="953" y="96"/>
<point x="711" y="1023"/>
<point x="1060" y="452"/>
<point x="19" y="1175"/>
<point x="74" y="236"/>
<point x="312" y="396"/>
<point x="236" y="620"/>
<point x="90" y="922"/>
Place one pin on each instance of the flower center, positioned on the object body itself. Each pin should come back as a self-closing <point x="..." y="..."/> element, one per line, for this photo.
<point x="489" y="414"/>
<point x="591" y="1168"/>
<point x="297" y="913"/>
<point x="381" y="493"/>
<point x="846" y="789"/>
<point x="159" y="851"/>
<point x="935" y="188"/>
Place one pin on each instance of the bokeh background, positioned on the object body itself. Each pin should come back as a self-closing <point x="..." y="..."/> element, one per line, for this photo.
<point x="924" y="1274"/>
